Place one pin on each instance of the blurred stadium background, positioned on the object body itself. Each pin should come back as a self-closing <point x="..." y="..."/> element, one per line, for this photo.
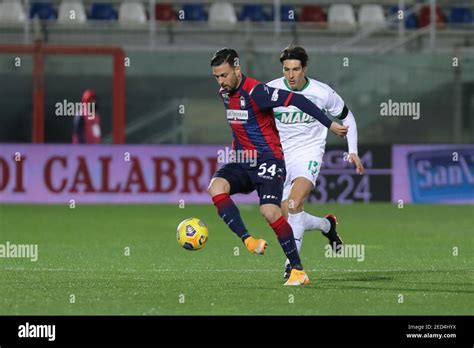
<point x="388" y="58"/>
<point x="148" y="62"/>
<point x="163" y="93"/>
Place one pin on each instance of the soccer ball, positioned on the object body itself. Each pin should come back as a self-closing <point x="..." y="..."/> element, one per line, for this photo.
<point x="192" y="234"/>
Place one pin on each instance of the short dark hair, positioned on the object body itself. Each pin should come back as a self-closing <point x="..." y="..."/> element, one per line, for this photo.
<point x="294" y="52"/>
<point x="225" y="55"/>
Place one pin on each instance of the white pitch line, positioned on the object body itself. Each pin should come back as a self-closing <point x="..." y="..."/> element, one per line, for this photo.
<point x="222" y="270"/>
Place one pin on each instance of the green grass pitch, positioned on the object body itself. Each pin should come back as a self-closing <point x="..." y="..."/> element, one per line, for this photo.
<point x="410" y="265"/>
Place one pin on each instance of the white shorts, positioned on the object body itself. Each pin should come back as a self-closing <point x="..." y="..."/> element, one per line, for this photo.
<point x="304" y="164"/>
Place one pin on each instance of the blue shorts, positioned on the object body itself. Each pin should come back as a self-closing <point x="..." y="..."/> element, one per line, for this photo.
<point x="267" y="177"/>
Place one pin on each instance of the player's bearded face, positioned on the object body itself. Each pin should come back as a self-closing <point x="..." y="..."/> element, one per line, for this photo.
<point x="227" y="77"/>
<point x="294" y="73"/>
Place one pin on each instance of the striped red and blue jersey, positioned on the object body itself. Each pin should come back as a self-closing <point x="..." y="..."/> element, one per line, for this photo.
<point x="250" y="115"/>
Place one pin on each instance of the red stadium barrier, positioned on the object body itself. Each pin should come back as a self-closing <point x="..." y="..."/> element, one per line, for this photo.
<point x="39" y="50"/>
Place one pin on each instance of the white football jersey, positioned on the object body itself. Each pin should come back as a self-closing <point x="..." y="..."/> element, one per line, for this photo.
<point x="299" y="131"/>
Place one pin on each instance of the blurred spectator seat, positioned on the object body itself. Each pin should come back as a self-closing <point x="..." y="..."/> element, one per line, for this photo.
<point x="103" y="12"/>
<point x="341" y="16"/>
<point x="460" y="15"/>
<point x="371" y="16"/>
<point x="43" y="10"/>
<point x="312" y="13"/>
<point x="411" y="22"/>
<point x="287" y="13"/>
<point x="71" y="11"/>
<point x="425" y="19"/>
<point x="253" y="13"/>
<point x="165" y="12"/>
<point x="222" y="15"/>
<point x="132" y="12"/>
<point x="11" y="11"/>
<point x="194" y="12"/>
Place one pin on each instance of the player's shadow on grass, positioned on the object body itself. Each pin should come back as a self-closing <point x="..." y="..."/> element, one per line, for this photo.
<point x="360" y="277"/>
<point x="364" y="277"/>
<point x="401" y="288"/>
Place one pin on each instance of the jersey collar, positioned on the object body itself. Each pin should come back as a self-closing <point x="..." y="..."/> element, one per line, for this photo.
<point x="296" y="90"/>
<point x="241" y="84"/>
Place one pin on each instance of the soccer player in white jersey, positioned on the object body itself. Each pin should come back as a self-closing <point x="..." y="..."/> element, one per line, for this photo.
<point x="303" y="140"/>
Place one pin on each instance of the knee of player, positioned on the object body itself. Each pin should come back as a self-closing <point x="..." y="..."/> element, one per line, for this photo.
<point x="295" y="205"/>
<point x="218" y="186"/>
<point x="270" y="214"/>
<point x="212" y="189"/>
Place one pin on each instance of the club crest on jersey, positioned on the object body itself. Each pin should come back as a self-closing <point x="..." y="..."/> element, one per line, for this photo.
<point x="242" y="102"/>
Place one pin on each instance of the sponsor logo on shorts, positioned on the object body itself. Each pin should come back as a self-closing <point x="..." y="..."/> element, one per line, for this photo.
<point x="269" y="197"/>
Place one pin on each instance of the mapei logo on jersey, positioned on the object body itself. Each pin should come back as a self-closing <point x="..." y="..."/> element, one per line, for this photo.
<point x="294" y="117"/>
<point x="237" y="116"/>
<point x="242" y="102"/>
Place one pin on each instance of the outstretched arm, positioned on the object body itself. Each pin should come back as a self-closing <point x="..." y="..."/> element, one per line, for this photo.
<point x="268" y="97"/>
<point x="350" y="122"/>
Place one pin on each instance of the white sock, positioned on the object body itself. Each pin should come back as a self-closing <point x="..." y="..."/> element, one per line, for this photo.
<point x="312" y="222"/>
<point x="296" y="222"/>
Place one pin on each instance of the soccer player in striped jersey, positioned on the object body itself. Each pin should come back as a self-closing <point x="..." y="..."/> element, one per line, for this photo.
<point x="304" y="139"/>
<point x="249" y="105"/>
